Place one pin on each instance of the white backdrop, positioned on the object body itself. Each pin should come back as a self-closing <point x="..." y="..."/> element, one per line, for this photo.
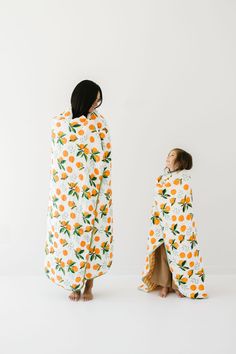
<point x="168" y="74"/>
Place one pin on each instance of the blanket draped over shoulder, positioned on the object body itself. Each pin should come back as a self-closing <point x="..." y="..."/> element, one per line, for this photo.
<point x="172" y="223"/>
<point x="79" y="221"/>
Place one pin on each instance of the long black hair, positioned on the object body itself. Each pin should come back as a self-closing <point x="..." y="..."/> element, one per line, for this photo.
<point x="83" y="97"/>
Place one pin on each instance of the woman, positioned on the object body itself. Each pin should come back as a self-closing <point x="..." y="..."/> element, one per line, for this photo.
<point x="173" y="261"/>
<point x="79" y="224"/>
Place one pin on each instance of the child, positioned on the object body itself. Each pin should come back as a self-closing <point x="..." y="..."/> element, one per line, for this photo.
<point x="173" y="261"/>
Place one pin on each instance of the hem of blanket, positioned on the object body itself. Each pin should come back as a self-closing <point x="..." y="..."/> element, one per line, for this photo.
<point x="150" y="285"/>
<point x="82" y="283"/>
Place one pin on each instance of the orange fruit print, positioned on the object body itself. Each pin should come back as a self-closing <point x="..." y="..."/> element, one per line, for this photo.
<point x="176" y="229"/>
<point x="79" y="240"/>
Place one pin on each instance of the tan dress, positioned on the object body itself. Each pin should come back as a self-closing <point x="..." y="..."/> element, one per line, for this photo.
<point x="162" y="275"/>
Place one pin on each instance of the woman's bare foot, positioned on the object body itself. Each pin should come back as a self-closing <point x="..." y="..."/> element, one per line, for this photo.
<point x="179" y="293"/>
<point x="87" y="294"/>
<point x="164" y="291"/>
<point x="75" y="295"/>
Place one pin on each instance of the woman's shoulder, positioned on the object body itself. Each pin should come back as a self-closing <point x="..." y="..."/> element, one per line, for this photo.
<point x="99" y="119"/>
<point x="66" y="114"/>
<point x="58" y="120"/>
<point x="99" y="116"/>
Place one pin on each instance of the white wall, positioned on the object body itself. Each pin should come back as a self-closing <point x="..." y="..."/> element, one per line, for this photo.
<point x="168" y="73"/>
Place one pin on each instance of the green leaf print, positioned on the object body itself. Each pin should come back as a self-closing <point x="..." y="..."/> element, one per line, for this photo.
<point x="65" y="227"/>
<point x="201" y="274"/>
<point x="75" y="287"/>
<point x="108" y="194"/>
<point x="174" y="244"/>
<point x="55" y="175"/>
<point x="46" y="250"/>
<point x="60" y="139"/>
<point x="105" y="247"/>
<point x="185" y="203"/>
<point x="61" y="163"/>
<point x="156" y="218"/>
<point x="193" y="240"/>
<point x="54" y="201"/>
<point x="72" y="127"/>
<point x="82" y="151"/>
<point x="103" y="210"/>
<point x="77" y="228"/>
<point x="50" y="237"/>
<point x="93" y="254"/>
<point x="174" y="230"/>
<point x="182" y="265"/>
<point x="181" y="279"/>
<point x="73" y="190"/>
<point x="71" y="267"/>
<point x="60" y="265"/>
<point x="107" y="156"/>
<point x="106" y="173"/>
<point x="79" y="254"/>
<point x="63" y="242"/>
<point x="163" y="193"/>
<point x="94" y="154"/>
<point x="108" y="231"/>
<point x="165" y="209"/>
<point x="86" y="217"/>
<point x="47" y="271"/>
<point x="92" y="179"/>
<point x="86" y="193"/>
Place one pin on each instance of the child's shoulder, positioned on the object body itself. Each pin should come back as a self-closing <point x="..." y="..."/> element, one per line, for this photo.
<point x="161" y="179"/>
<point x="185" y="175"/>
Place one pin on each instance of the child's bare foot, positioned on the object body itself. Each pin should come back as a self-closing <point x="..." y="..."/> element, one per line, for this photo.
<point x="75" y="295"/>
<point x="87" y="294"/>
<point x="179" y="293"/>
<point x="164" y="291"/>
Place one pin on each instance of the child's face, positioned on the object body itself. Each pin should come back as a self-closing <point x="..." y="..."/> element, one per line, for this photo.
<point x="170" y="160"/>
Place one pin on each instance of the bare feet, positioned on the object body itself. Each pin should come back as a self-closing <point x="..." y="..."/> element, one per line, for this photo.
<point x="164" y="291"/>
<point x="179" y="293"/>
<point x="75" y="295"/>
<point x="87" y="294"/>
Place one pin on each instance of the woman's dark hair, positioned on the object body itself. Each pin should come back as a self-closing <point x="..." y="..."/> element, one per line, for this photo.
<point x="83" y="97"/>
<point x="183" y="160"/>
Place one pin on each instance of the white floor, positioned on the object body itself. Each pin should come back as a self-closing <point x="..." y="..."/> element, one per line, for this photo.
<point x="36" y="317"/>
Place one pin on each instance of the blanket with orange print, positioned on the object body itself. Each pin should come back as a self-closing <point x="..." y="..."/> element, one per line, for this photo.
<point x="79" y="238"/>
<point x="172" y="222"/>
